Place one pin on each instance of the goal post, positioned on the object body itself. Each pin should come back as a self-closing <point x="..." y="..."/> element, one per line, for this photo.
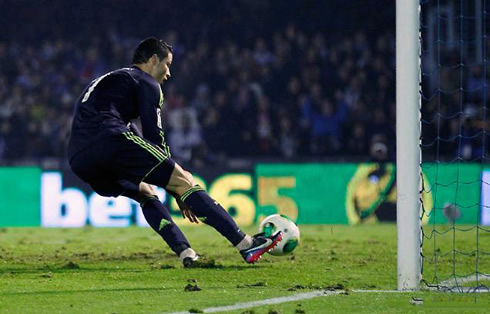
<point x="407" y="144"/>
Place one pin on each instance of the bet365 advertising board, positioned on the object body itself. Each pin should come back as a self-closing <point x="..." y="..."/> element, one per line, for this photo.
<point x="331" y="193"/>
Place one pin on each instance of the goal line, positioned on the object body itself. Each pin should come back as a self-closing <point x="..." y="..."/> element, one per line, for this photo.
<point x="289" y="298"/>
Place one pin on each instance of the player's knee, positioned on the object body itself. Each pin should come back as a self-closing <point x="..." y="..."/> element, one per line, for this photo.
<point x="146" y="192"/>
<point x="187" y="182"/>
<point x="190" y="179"/>
<point x="181" y="181"/>
<point x="146" y="189"/>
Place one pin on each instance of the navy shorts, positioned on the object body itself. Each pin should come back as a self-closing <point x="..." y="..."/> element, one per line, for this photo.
<point x="116" y="165"/>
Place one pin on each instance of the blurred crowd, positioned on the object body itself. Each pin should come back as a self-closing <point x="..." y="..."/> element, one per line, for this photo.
<point x="294" y="91"/>
<point x="455" y="115"/>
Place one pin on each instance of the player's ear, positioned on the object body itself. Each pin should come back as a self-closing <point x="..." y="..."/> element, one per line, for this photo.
<point x="154" y="59"/>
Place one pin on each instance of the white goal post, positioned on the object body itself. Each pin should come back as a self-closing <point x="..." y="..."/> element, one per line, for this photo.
<point x="407" y="144"/>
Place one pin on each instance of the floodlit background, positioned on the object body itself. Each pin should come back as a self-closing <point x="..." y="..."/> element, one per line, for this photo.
<point x="252" y="82"/>
<point x="289" y="80"/>
<point x="277" y="106"/>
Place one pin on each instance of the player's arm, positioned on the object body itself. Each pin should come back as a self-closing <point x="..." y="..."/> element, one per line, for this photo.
<point x="134" y="128"/>
<point x="149" y="108"/>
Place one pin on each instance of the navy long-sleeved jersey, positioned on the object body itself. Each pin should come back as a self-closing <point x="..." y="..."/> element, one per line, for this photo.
<point x="109" y="103"/>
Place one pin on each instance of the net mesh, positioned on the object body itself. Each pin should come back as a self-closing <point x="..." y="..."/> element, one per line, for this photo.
<point x="454" y="144"/>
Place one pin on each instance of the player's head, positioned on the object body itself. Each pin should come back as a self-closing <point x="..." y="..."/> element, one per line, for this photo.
<point x="154" y="56"/>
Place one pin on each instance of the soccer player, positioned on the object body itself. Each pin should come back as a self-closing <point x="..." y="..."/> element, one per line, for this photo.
<point x="109" y="152"/>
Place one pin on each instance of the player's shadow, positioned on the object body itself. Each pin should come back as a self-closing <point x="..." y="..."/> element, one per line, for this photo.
<point x="55" y="292"/>
<point x="54" y="269"/>
<point x="59" y="270"/>
<point x="228" y="267"/>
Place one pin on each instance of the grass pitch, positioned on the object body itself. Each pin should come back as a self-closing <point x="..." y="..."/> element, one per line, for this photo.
<point x="131" y="270"/>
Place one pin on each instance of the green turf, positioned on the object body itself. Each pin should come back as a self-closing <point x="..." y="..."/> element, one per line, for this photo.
<point x="130" y="270"/>
<point x="459" y="250"/>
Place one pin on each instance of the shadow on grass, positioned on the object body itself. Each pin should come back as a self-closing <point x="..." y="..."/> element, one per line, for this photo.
<point x="231" y="267"/>
<point x="75" y="268"/>
<point x="60" y="270"/>
<point x="55" y="292"/>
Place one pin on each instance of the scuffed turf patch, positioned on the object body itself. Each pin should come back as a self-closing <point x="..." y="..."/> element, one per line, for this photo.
<point x="205" y="263"/>
<point x="70" y="265"/>
<point x="192" y="286"/>
<point x="258" y="284"/>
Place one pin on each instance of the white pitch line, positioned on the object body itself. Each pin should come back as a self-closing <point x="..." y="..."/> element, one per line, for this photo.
<point x="290" y="298"/>
<point x="467" y="279"/>
<point x="246" y="305"/>
<point x="382" y="291"/>
<point x="454" y="284"/>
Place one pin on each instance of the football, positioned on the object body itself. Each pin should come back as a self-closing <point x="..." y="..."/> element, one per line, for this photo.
<point x="290" y="233"/>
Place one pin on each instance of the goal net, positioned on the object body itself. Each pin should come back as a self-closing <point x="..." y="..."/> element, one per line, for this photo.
<point x="454" y="145"/>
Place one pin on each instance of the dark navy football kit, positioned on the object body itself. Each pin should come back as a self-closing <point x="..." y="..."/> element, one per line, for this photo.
<point x="106" y="149"/>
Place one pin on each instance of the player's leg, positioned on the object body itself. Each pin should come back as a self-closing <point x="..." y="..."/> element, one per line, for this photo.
<point x="126" y="160"/>
<point x="181" y="183"/>
<point x="140" y="160"/>
<point x="160" y="220"/>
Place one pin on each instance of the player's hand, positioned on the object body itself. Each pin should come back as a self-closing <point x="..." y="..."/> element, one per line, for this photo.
<point x="187" y="212"/>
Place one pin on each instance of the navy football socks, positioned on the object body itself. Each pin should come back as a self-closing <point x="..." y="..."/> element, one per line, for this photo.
<point x="158" y="217"/>
<point x="210" y="212"/>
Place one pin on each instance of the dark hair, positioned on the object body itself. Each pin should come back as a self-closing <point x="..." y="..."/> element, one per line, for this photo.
<point x="150" y="46"/>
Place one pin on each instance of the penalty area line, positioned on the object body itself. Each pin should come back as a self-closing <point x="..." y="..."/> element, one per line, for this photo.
<point x="453" y="284"/>
<point x="290" y="298"/>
